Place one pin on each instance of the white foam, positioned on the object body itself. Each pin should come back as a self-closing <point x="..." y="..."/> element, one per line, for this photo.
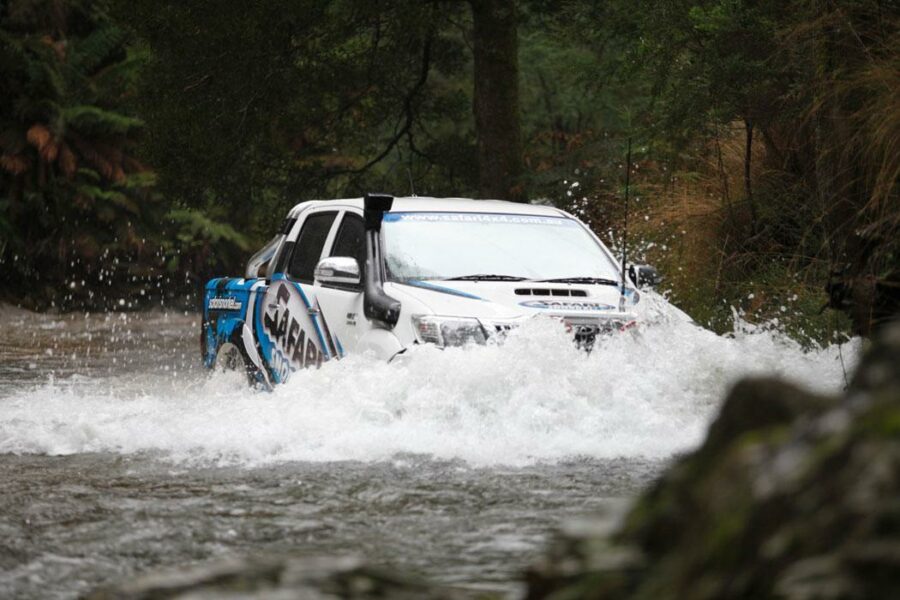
<point x="534" y="399"/>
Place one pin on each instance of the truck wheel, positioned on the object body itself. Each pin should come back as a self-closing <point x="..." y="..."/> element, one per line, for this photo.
<point x="230" y="358"/>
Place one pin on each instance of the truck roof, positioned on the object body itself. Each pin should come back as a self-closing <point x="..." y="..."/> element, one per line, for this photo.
<point x="429" y="204"/>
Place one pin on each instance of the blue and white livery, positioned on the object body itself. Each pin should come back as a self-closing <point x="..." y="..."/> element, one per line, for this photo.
<point x="379" y="274"/>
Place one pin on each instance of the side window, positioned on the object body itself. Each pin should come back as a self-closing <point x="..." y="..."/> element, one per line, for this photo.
<point x="308" y="248"/>
<point x="351" y="240"/>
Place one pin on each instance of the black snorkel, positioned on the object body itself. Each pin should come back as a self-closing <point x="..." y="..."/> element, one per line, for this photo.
<point x="377" y="305"/>
<point x="625" y="227"/>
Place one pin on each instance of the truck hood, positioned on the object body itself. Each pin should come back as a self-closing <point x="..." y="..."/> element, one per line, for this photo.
<point x="514" y="300"/>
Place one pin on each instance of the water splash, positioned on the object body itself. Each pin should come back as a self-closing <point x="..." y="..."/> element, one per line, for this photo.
<point x="534" y="399"/>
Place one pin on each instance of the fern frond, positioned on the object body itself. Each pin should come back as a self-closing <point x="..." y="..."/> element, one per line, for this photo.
<point x="16" y="164"/>
<point x="97" y="121"/>
<point x="44" y="81"/>
<point x="68" y="162"/>
<point x="90" y="174"/>
<point x="40" y="136"/>
<point x="144" y="179"/>
<point x="90" y="154"/>
<point x="112" y="197"/>
<point x="89" y="54"/>
<point x="122" y="76"/>
<point x="194" y="225"/>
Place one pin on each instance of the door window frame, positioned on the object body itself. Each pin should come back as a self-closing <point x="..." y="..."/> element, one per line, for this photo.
<point x="294" y="236"/>
<point x="329" y="244"/>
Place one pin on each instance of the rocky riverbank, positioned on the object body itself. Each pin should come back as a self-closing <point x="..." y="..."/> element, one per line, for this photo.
<point x="792" y="495"/>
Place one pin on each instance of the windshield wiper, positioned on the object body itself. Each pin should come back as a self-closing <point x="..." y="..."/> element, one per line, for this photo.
<point x="485" y="278"/>
<point x="589" y="280"/>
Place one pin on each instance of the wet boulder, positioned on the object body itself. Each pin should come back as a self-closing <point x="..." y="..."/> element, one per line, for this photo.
<point x="792" y="495"/>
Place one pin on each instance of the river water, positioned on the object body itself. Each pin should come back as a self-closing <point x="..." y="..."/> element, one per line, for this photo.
<point x="119" y="454"/>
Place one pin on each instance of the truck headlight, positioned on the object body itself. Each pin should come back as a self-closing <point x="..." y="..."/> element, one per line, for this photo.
<point x="448" y="331"/>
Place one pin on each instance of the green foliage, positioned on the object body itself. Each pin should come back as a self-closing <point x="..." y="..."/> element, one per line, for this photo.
<point x="204" y="242"/>
<point x="266" y="104"/>
<point x="776" y="123"/>
<point x="91" y="120"/>
<point x="807" y="188"/>
<point x="71" y="192"/>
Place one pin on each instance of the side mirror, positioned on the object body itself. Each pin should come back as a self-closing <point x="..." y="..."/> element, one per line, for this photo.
<point x="644" y="276"/>
<point x="341" y="271"/>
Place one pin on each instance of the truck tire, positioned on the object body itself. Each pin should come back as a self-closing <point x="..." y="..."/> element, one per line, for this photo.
<point x="230" y="358"/>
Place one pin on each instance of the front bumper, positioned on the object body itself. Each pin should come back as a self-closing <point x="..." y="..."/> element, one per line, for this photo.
<point x="584" y="330"/>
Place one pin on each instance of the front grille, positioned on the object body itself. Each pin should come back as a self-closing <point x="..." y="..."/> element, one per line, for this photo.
<point x="584" y="331"/>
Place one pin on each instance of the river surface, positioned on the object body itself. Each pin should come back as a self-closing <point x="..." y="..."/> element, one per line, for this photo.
<point x="120" y="455"/>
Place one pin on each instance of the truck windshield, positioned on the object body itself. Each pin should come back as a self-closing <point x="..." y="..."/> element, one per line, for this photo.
<point x="432" y="245"/>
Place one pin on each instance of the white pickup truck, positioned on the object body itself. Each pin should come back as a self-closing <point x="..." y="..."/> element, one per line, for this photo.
<point x="380" y="274"/>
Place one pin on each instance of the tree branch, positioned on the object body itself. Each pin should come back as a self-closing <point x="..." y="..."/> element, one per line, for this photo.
<point x="408" y="113"/>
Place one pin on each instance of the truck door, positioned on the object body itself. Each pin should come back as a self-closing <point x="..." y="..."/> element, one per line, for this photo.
<point x="291" y="329"/>
<point x="342" y="306"/>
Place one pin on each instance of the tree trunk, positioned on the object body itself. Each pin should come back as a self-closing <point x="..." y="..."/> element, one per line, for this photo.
<point x="853" y="286"/>
<point x="496" y="104"/>
<point x="748" y="189"/>
<point x="726" y="194"/>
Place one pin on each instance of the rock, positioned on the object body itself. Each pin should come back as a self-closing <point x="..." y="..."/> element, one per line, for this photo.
<point x="880" y="369"/>
<point x="792" y="495"/>
<point x="276" y="577"/>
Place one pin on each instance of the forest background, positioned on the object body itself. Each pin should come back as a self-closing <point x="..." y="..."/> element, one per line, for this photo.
<point x="146" y="145"/>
